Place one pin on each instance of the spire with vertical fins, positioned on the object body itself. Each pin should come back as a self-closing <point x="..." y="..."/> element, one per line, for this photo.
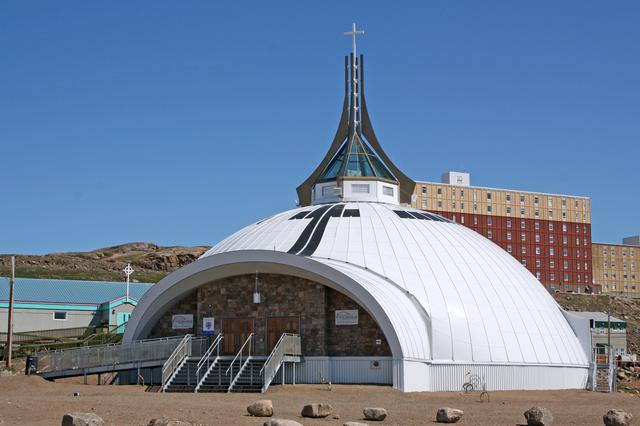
<point x="355" y="168"/>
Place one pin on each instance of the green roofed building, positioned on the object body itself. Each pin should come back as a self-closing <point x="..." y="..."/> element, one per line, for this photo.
<point x="44" y="304"/>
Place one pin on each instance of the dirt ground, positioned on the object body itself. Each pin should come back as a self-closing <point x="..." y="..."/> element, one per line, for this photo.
<point x="34" y="401"/>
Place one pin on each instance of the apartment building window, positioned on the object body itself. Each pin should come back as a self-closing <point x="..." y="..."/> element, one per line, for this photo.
<point x="604" y="251"/>
<point x="538" y="276"/>
<point x="488" y="209"/>
<point x="564" y="240"/>
<point x="489" y="221"/>
<point x="564" y="202"/>
<point x="523" y="224"/>
<point x="439" y="191"/>
<point x="522" y="212"/>
<point x="453" y="193"/>
<point x="475" y="207"/>
<point x="461" y="206"/>
<point x="565" y="264"/>
<point x="475" y="219"/>
<point x="537" y="250"/>
<point x="462" y="219"/>
<point x="521" y="198"/>
<point x="453" y="205"/>
<point x="536" y="213"/>
<point x="537" y="263"/>
<point x="424" y="189"/>
<point x="509" y="236"/>
<point x="551" y="227"/>
<point x="536" y="200"/>
<point x="524" y="262"/>
<point x="550" y="202"/>
<point x="439" y="204"/>
<point x="537" y="238"/>
<point x="564" y="227"/>
<point x="564" y="215"/>
<point x="508" y="210"/>
<point x="576" y="204"/>
<point x="550" y="214"/>
<point x="523" y="237"/>
<point x="565" y="277"/>
<point x="509" y="249"/>
<point x="489" y="234"/>
<point x="551" y="239"/>
<point x="578" y="253"/>
<point x="508" y="224"/>
<point x="565" y="252"/>
<point x="488" y="196"/>
<point x="537" y="225"/>
<point x="552" y="277"/>
<point x="508" y="198"/>
<point x="552" y="251"/>
<point x="462" y="193"/>
<point x="577" y="241"/>
<point x="524" y="250"/>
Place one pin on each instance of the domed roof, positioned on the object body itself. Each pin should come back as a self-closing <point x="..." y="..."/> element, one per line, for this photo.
<point x="451" y="294"/>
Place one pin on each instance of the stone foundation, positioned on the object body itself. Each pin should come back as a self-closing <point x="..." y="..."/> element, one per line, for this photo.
<point x="282" y="296"/>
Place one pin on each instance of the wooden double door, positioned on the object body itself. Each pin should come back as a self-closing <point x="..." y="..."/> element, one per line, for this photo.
<point x="237" y="330"/>
<point x="276" y="326"/>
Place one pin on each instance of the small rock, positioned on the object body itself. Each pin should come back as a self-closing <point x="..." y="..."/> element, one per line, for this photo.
<point x="354" y="424"/>
<point x="262" y="408"/>
<point x="375" y="413"/>
<point x="538" y="416"/>
<point x="316" y="411"/>
<point x="76" y="394"/>
<point x="167" y="422"/>
<point x="448" y="415"/>
<point x="281" y="422"/>
<point x="617" y="418"/>
<point x="336" y="417"/>
<point x="82" y="419"/>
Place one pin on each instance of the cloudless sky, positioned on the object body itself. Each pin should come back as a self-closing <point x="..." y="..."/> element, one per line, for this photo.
<point x="181" y="122"/>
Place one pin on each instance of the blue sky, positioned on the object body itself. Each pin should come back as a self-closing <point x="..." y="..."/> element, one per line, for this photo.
<point x="181" y="122"/>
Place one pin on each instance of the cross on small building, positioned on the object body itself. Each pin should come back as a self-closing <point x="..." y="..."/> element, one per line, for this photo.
<point x="353" y="33"/>
<point x="128" y="271"/>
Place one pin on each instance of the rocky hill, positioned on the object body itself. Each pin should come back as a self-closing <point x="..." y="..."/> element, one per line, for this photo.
<point x="150" y="262"/>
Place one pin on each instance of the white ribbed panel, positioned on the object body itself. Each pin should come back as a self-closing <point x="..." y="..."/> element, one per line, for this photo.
<point x="340" y="370"/>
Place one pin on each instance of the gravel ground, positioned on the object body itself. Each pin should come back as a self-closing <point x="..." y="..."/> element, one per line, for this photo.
<point x="34" y="401"/>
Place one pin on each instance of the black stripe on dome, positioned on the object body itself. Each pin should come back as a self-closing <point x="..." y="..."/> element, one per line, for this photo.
<point x="299" y="215"/>
<point x="306" y="233"/>
<point x="314" y="242"/>
<point x="351" y="213"/>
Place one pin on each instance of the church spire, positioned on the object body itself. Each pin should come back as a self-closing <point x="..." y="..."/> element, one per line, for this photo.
<point x="355" y="168"/>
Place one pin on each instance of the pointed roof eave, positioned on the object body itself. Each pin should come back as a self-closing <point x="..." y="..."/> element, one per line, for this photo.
<point x="407" y="185"/>
<point x="304" y="190"/>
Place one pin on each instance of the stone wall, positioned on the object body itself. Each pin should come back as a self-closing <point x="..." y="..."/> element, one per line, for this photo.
<point x="282" y="295"/>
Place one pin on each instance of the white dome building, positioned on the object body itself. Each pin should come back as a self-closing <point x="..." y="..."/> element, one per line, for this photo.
<point x="427" y="301"/>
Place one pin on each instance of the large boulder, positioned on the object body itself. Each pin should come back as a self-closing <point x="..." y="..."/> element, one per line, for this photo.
<point x="617" y="418"/>
<point x="375" y="413"/>
<point x="448" y="415"/>
<point x="538" y="416"/>
<point x="167" y="422"/>
<point x="317" y="410"/>
<point x="82" y="419"/>
<point x="281" y="422"/>
<point x="262" y="408"/>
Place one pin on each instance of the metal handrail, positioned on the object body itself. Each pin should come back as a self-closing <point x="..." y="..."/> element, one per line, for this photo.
<point x="207" y="355"/>
<point x="288" y="344"/>
<point x="241" y="365"/>
<point x="171" y="365"/>
<point x="105" y="354"/>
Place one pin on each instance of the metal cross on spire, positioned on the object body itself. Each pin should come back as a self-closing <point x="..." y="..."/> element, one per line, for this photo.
<point x="354" y="73"/>
<point x="128" y="271"/>
<point x="353" y="33"/>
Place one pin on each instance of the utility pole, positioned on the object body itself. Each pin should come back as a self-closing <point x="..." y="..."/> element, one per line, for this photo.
<point x="7" y="356"/>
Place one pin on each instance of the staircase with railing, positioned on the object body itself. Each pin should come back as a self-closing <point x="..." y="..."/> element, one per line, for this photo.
<point x="206" y="364"/>
<point x="175" y="361"/>
<point x="241" y="365"/>
<point x="288" y="349"/>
